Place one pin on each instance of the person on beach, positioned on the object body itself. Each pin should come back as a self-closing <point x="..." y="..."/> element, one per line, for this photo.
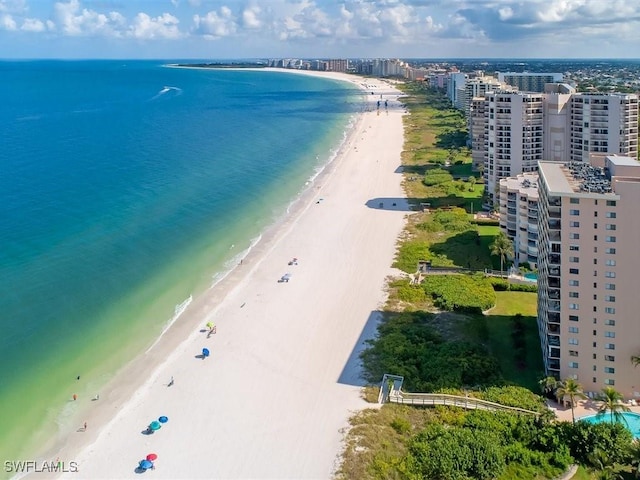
<point x="212" y="330"/>
<point x="85" y="426"/>
<point x="170" y="382"/>
<point x="75" y="397"/>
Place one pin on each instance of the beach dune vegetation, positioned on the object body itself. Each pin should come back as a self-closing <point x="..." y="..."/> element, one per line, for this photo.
<point x="461" y="293"/>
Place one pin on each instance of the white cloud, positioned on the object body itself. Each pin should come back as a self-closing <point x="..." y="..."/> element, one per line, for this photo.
<point x="33" y="25"/>
<point x="251" y="17"/>
<point x="215" y="25"/>
<point x="164" y="26"/>
<point x="7" y="22"/>
<point x="75" y="21"/>
<point x="13" y="6"/>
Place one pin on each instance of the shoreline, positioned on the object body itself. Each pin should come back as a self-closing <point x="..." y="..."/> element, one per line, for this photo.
<point x="121" y="399"/>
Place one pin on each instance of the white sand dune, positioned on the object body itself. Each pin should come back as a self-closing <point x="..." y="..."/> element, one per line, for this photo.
<point x="283" y="376"/>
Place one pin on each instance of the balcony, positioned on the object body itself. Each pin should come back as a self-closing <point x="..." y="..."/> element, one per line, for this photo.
<point x="553" y="341"/>
<point x="554" y="305"/>
<point x="554" y="259"/>
<point x="554" y="271"/>
<point x="554" y="365"/>
<point x="554" y="352"/>
<point x="554" y="224"/>
<point x="553" y="317"/>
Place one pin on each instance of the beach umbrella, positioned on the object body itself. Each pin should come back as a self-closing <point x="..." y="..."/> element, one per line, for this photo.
<point x="146" y="464"/>
<point x="209" y="324"/>
<point x="163" y="419"/>
<point x="151" y="457"/>
<point x="205" y="352"/>
<point x="155" y="425"/>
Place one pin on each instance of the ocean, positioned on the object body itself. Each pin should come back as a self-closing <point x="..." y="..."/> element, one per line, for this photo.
<point x="127" y="187"/>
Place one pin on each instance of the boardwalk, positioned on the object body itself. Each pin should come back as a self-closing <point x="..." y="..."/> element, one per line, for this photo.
<point x="391" y="391"/>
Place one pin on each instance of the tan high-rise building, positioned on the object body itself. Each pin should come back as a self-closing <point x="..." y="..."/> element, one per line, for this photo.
<point x="588" y="263"/>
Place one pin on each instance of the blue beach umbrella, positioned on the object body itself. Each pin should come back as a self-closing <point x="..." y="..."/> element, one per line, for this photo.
<point x="205" y="352"/>
<point x="163" y="419"/>
<point x="146" y="464"/>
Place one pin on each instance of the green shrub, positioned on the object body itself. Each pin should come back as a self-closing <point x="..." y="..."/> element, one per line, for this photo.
<point x="437" y="176"/>
<point x="523" y="287"/>
<point x="401" y="425"/>
<point x="460" y="292"/>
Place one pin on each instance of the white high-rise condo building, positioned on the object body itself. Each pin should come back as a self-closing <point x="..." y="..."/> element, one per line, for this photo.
<point x="588" y="265"/>
<point x="603" y="122"/>
<point x="519" y="215"/>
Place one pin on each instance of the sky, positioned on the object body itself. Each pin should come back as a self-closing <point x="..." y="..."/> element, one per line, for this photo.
<point x="251" y="29"/>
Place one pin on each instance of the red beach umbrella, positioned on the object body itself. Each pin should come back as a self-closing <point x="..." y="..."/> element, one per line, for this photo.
<point x="151" y="457"/>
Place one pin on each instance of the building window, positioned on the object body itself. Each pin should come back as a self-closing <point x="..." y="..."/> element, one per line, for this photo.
<point x="574" y="271"/>
<point x="611" y="214"/>
<point x="574" y="224"/>
<point x="574" y="248"/>
<point x="574" y="212"/>
<point x="609" y="322"/>
<point x="574" y="283"/>
<point x="610" y="334"/>
<point x="610" y="274"/>
<point x="573" y="318"/>
<point x="610" y="310"/>
<point x="574" y="295"/>
<point x="573" y="341"/>
<point x="610" y="358"/>
<point x="574" y="306"/>
<point x="595" y="238"/>
<point x="609" y="370"/>
<point x="573" y="353"/>
<point x="574" y="236"/>
<point x="611" y="263"/>
<point x="574" y="259"/>
<point x="609" y="298"/>
<point x="574" y="200"/>
<point x="611" y="203"/>
<point x="607" y="346"/>
<point x="595" y="226"/>
<point x="611" y="251"/>
<point x="610" y="286"/>
<point x="610" y="227"/>
<point x="610" y="239"/>
<point x="595" y="214"/>
<point x="573" y="329"/>
<point x="595" y="261"/>
<point x="573" y="364"/>
<point x="609" y="381"/>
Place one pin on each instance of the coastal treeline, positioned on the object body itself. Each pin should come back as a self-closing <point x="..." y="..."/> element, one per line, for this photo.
<point x="458" y="331"/>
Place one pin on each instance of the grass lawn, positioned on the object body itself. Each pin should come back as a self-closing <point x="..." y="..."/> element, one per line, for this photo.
<point x="511" y="303"/>
<point x="499" y="329"/>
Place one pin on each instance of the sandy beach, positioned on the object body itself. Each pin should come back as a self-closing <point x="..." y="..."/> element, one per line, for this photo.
<point x="283" y="377"/>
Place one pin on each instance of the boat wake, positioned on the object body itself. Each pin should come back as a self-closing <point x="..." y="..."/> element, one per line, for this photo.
<point x="167" y="89"/>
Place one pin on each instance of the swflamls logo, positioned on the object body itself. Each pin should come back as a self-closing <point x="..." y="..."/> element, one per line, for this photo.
<point x="33" y="466"/>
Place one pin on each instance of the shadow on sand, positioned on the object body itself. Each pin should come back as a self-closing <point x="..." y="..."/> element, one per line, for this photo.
<point x="389" y="203"/>
<point x="352" y="373"/>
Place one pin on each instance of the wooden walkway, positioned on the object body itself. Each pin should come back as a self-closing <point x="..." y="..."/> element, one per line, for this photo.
<point x="391" y="391"/>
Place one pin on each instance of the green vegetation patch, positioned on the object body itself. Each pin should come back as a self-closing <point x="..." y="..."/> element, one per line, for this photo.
<point x="462" y="293"/>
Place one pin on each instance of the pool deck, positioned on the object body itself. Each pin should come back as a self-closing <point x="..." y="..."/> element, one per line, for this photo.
<point x="583" y="408"/>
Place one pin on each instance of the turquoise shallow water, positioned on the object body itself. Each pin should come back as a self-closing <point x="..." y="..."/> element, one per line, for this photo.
<point x="124" y="188"/>
<point x="631" y="421"/>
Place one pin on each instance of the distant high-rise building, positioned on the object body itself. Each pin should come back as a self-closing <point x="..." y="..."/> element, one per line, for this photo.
<point x="603" y="122"/>
<point x="529" y="82"/>
<point x="513" y="124"/>
<point x="588" y="266"/>
<point x="512" y="131"/>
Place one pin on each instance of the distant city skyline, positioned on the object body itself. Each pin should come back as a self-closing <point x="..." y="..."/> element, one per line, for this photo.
<point x="235" y="29"/>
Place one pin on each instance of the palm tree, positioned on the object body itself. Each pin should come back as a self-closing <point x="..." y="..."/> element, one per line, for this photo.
<point x="635" y="359"/>
<point x="612" y="402"/>
<point x="503" y="247"/>
<point x="570" y="387"/>
<point x="548" y="385"/>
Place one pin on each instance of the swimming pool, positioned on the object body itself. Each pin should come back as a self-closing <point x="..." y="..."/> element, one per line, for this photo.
<point x="531" y="276"/>
<point x="632" y="419"/>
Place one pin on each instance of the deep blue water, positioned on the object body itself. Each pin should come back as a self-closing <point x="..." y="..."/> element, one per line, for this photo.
<point x="124" y="187"/>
